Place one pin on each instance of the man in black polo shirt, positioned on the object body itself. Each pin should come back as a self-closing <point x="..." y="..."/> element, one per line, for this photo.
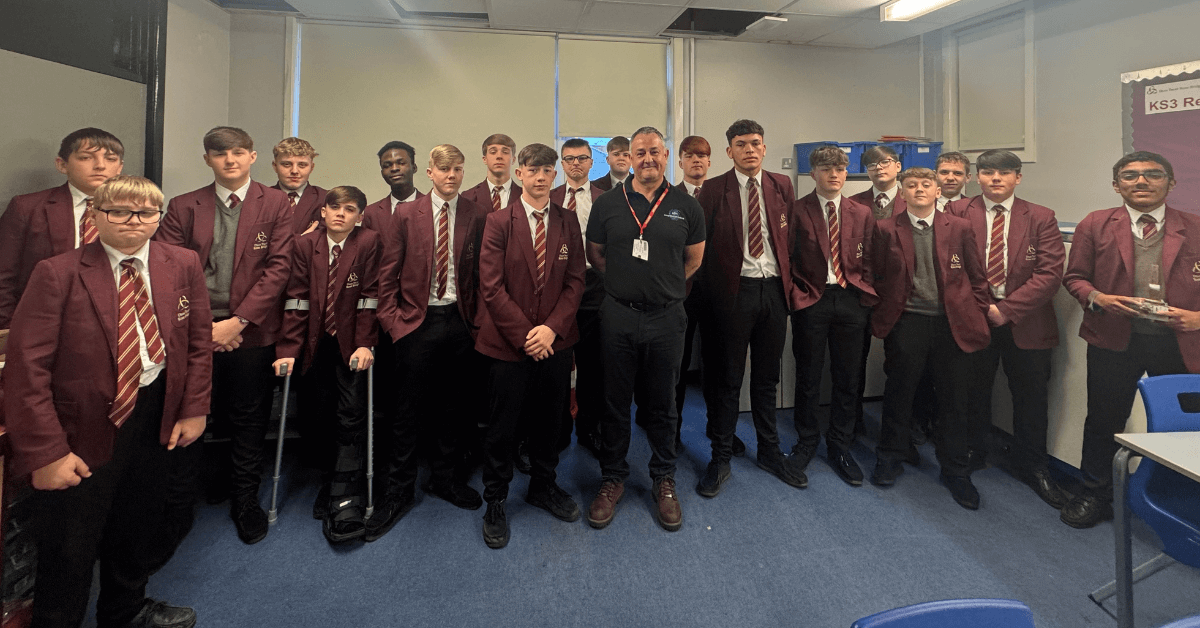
<point x="647" y="237"/>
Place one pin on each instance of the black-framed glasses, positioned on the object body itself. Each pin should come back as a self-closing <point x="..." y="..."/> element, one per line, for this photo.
<point x="1129" y="176"/>
<point x="882" y="163"/>
<point x="123" y="216"/>
<point x="576" y="159"/>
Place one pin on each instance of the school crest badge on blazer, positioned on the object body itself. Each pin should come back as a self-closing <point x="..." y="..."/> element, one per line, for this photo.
<point x="955" y="261"/>
<point x="858" y="253"/>
<point x="783" y="221"/>
<point x="352" y="281"/>
<point x="1196" y="271"/>
<point x="260" y="241"/>
<point x="563" y="253"/>
<point x="1030" y="254"/>
<point x="185" y="308"/>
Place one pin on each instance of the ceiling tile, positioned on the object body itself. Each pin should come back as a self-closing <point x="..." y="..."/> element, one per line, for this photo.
<point x="559" y="15"/>
<point x="445" y="6"/>
<point x="765" y="6"/>
<point x="370" y="10"/>
<point x="965" y="9"/>
<point x="799" y="29"/>
<point x="868" y="33"/>
<point x="838" y="8"/>
<point x="629" y="19"/>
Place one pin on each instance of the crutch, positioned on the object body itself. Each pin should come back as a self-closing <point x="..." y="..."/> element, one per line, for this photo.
<point x="371" y="436"/>
<point x="273" y="514"/>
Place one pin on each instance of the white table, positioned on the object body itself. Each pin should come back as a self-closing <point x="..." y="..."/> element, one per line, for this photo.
<point x="1179" y="451"/>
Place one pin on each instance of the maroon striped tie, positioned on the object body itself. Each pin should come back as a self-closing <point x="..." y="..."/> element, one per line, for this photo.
<point x="835" y="244"/>
<point x="294" y="198"/>
<point x="880" y="201"/>
<point x="1149" y="226"/>
<point x="995" y="269"/>
<point x="233" y="201"/>
<point x="133" y="309"/>
<point x="496" y="199"/>
<point x="539" y="248"/>
<point x="87" y="229"/>
<point x="443" y="249"/>
<point x="755" y="237"/>
<point x="331" y="292"/>
<point x="571" y="201"/>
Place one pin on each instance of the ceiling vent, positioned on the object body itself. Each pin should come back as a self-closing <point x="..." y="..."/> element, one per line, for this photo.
<point x="407" y="15"/>
<point x="718" y="22"/>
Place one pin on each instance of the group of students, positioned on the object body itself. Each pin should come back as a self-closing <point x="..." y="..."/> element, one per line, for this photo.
<point x="504" y="289"/>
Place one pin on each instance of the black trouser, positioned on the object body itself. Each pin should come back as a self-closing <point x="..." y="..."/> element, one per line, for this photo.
<point x="1112" y="378"/>
<point x="756" y="319"/>
<point x="692" y="306"/>
<point x="107" y="516"/>
<point x="529" y="394"/>
<point x="438" y="373"/>
<point x="242" y="392"/>
<point x="915" y="343"/>
<point x="341" y="406"/>
<point x="1028" y="373"/>
<point x="387" y="382"/>
<point x="924" y="405"/>
<point x="641" y="348"/>
<point x="836" y="321"/>
<point x="589" y="380"/>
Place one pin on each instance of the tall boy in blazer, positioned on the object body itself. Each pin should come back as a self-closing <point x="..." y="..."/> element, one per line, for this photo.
<point x="397" y="164"/>
<point x="589" y="371"/>
<point x="428" y="286"/>
<point x="109" y="366"/>
<point x="1023" y="255"/>
<point x="293" y="161"/>
<point x="747" y="294"/>
<point x="51" y="222"/>
<point x="831" y="269"/>
<point x="329" y="325"/>
<point x="242" y="231"/>
<point x="531" y="268"/>
<point x="1111" y="272"/>
<point x="498" y="190"/>
<point x="932" y="312"/>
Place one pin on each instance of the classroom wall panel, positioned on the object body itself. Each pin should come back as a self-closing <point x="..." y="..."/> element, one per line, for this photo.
<point x="361" y="87"/>
<point x="608" y="88"/>
<point x="257" y="51"/>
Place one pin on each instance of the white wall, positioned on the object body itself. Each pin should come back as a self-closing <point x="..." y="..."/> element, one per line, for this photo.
<point x="805" y="94"/>
<point x="197" y="90"/>
<point x="257" y="52"/>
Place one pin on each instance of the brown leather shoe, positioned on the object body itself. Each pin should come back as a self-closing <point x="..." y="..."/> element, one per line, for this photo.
<point x="604" y="506"/>
<point x="669" y="515"/>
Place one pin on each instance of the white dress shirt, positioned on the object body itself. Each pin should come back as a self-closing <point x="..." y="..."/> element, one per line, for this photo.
<point x="78" y="207"/>
<point x="890" y="194"/>
<point x="942" y="201"/>
<point x="342" y="244"/>
<point x="395" y="201"/>
<point x="451" y="290"/>
<point x="764" y="266"/>
<point x="997" y="291"/>
<point x="223" y="192"/>
<point x="505" y="192"/>
<point x="583" y="209"/>
<point x="529" y="209"/>
<point x="691" y="189"/>
<point x="1159" y="215"/>
<point x="141" y="262"/>
<point x="831" y="278"/>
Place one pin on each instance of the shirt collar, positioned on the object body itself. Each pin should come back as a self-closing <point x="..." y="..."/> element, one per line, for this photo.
<point x="77" y="197"/>
<point x="115" y="257"/>
<point x="507" y="185"/>
<point x="742" y="179"/>
<point x="529" y="209"/>
<point x="837" y="201"/>
<point x="586" y="187"/>
<point x="331" y="243"/>
<point x="890" y="194"/>
<point x="628" y="184"/>
<point x="616" y="181"/>
<point x="1006" y="203"/>
<point x="1159" y="214"/>
<point x="912" y="219"/>
<point x="223" y="192"/>
<point x="437" y="202"/>
<point x="299" y="191"/>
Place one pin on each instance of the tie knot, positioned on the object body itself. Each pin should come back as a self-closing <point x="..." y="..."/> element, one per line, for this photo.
<point x="999" y="209"/>
<point x="292" y="194"/>
<point x="88" y="202"/>
<point x="751" y="183"/>
<point x="337" y="250"/>
<point x="127" y="266"/>
<point x="573" y="191"/>
<point x="880" y="198"/>
<point x="1147" y="219"/>
<point x="539" y="214"/>
<point x="829" y="206"/>
<point x="446" y="206"/>
<point x="922" y="224"/>
<point x="233" y="201"/>
<point x="496" y="190"/>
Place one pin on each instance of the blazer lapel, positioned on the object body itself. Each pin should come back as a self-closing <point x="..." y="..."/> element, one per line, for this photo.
<point x="97" y="276"/>
<point x="519" y="229"/>
<point x="203" y="216"/>
<point x="424" y="240"/>
<point x="980" y="224"/>
<point x="556" y="234"/>
<point x="904" y="238"/>
<point x="1122" y="230"/>
<point x="462" y="225"/>
<point x="733" y="205"/>
<point x="776" y="217"/>
<point x="816" y="214"/>
<point x="60" y="215"/>
<point x="321" y="269"/>
<point x="247" y="218"/>
<point x="1018" y="235"/>
<point x="1172" y="241"/>
<point x="162" y="289"/>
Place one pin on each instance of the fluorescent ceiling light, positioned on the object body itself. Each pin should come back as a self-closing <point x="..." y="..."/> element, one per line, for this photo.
<point x="766" y="22"/>
<point x="905" y="10"/>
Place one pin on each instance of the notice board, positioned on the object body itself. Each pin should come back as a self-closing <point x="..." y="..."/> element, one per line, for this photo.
<point x="1162" y="115"/>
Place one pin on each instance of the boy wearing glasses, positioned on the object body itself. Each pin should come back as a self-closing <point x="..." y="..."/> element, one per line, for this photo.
<point x="883" y="166"/>
<point x="51" y="222"/>
<point x="242" y="231"/>
<point x="577" y="195"/>
<point x="1121" y="259"/>
<point x="109" y="367"/>
<point x="329" y="325"/>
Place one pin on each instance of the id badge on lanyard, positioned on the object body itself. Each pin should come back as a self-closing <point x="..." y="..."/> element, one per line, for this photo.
<point x="641" y="246"/>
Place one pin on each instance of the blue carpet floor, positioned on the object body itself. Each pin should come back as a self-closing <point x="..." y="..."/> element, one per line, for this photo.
<point x="760" y="554"/>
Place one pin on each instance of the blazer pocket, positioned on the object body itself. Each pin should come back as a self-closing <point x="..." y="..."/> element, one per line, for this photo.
<point x="260" y="239"/>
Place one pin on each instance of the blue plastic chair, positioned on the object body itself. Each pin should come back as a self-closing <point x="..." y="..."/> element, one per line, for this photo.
<point x="1186" y="622"/>
<point x="976" y="613"/>
<point x="1166" y="500"/>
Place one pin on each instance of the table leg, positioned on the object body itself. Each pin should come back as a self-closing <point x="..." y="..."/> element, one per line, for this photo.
<point x="1124" y="544"/>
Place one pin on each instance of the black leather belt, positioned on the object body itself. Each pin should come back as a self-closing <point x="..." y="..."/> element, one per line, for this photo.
<point x="644" y="307"/>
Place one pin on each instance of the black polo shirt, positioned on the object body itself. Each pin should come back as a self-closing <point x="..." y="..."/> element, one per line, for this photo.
<point x="678" y="223"/>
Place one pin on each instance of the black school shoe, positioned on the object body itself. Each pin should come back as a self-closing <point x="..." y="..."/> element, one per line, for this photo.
<point x="345" y="520"/>
<point x="962" y="490"/>
<point x="155" y="614"/>
<point x="388" y="511"/>
<point x="495" y="525"/>
<point x="457" y="493"/>
<point x="552" y="499"/>
<point x="249" y="518"/>
<point x="1085" y="511"/>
